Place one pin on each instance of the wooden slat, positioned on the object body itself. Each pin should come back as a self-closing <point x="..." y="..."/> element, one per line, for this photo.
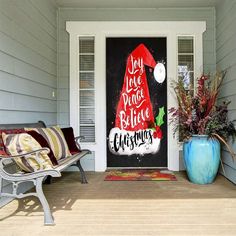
<point x="68" y="161"/>
<point x="25" y="87"/>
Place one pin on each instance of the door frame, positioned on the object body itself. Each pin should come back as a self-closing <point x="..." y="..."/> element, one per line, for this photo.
<point x="102" y="29"/>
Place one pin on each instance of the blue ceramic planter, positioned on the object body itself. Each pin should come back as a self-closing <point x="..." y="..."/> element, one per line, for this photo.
<point x="201" y="158"/>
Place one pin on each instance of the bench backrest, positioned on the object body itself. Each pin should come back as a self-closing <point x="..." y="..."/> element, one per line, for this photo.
<point x="39" y="124"/>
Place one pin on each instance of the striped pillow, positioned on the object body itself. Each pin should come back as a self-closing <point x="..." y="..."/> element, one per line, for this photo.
<point x="8" y="131"/>
<point x="55" y="139"/>
<point x="16" y="144"/>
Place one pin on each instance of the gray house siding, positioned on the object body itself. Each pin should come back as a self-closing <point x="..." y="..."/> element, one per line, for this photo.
<point x="28" y="61"/>
<point x="226" y="59"/>
<point x="28" y="64"/>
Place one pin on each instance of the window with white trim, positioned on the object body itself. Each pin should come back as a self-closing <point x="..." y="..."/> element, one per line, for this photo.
<point x="86" y="89"/>
<point x="186" y="62"/>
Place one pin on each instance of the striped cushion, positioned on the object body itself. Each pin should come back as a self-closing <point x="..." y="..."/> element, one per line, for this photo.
<point x="55" y="139"/>
<point x="16" y="144"/>
<point x="8" y="131"/>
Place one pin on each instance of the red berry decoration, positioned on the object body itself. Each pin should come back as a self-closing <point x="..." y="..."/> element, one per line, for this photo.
<point x="157" y="133"/>
<point x="154" y="134"/>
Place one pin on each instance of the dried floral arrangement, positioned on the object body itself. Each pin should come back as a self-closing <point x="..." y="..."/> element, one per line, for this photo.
<point x="200" y="114"/>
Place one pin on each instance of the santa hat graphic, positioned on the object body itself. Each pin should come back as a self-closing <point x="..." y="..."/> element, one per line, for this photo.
<point x="131" y="134"/>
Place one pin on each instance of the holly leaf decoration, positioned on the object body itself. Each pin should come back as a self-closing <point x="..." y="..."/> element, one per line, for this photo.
<point x="159" y="118"/>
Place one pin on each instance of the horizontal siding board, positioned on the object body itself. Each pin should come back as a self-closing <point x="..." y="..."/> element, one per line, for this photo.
<point x="228" y="88"/>
<point x="6" y="63"/>
<point x="227" y="19"/>
<point x="222" y="9"/>
<point x="28" y="63"/>
<point x="21" y="69"/>
<point x="223" y="38"/>
<point x="20" y="35"/>
<point x="26" y="103"/>
<point x="19" y="85"/>
<point x="231" y="98"/>
<point x="228" y="60"/>
<point x="29" y="41"/>
<point x="47" y="10"/>
<point x="24" y="21"/>
<point x="11" y="117"/>
<point x="230" y="173"/>
<point x="18" y="102"/>
<point x="226" y="49"/>
<point x="28" y="8"/>
<point x="228" y="160"/>
<point x="231" y="74"/>
<point x="17" y="50"/>
<point x="35" y="74"/>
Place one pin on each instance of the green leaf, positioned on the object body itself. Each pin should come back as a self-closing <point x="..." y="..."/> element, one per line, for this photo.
<point x="159" y="118"/>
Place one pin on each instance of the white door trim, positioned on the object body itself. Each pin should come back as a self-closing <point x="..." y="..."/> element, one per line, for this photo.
<point x="103" y="29"/>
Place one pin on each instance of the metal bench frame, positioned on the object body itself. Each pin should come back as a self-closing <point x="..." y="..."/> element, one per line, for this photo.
<point x="39" y="176"/>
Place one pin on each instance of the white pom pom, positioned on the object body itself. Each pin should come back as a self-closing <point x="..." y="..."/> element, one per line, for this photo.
<point x="159" y="73"/>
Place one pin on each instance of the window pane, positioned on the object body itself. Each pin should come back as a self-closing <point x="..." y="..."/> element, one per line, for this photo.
<point x="86" y="62"/>
<point x="186" y="60"/>
<point x="88" y="132"/>
<point x="185" y="45"/>
<point x="87" y="116"/>
<point x="86" y="80"/>
<point x="86" y="45"/>
<point x="86" y="98"/>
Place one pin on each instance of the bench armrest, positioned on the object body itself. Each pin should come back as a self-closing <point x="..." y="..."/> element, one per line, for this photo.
<point x="77" y="139"/>
<point x="27" y="176"/>
<point x="26" y="156"/>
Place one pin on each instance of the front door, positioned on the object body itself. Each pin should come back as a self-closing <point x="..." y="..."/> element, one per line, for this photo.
<point x="136" y="100"/>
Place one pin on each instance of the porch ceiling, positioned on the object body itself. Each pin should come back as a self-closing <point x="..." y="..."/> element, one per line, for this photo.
<point x="136" y="3"/>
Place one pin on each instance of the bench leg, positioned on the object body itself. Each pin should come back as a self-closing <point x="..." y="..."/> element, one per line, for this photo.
<point x="82" y="174"/>
<point x="48" y="218"/>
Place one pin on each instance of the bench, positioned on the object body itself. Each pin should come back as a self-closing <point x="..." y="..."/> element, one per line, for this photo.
<point x="37" y="177"/>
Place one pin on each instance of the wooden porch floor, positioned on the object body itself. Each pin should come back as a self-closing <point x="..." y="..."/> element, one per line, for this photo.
<point x="126" y="208"/>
